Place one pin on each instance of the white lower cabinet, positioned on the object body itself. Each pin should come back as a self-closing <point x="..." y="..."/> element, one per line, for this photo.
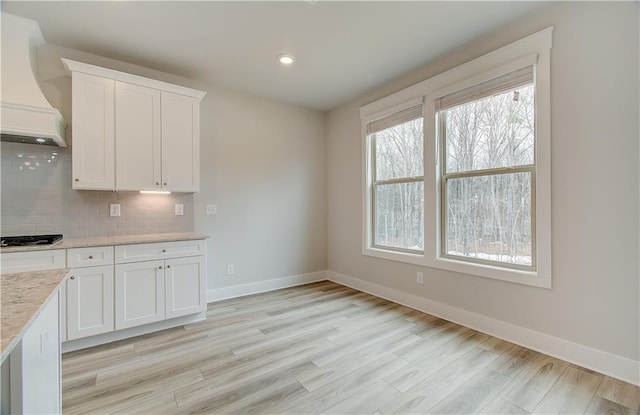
<point x="158" y="281"/>
<point x="151" y="291"/>
<point x="140" y="296"/>
<point x="185" y="289"/>
<point x="89" y="297"/>
<point x="148" y="283"/>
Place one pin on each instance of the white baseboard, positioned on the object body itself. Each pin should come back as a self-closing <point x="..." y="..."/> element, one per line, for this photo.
<point x="219" y="294"/>
<point x="603" y="362"/>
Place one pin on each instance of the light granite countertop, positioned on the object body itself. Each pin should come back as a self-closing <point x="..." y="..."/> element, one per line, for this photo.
<point x="110" y="241"/>
<point x="22" y="296"/>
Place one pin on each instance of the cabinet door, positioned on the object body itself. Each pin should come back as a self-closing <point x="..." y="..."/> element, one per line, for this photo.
<point x="139" y="293"/>
<point x="89" y="298"/>
<point x="138" y="152"/>
<point x="93" y="132"/>
<point x="185" y="286"/>
<point x="180" y="143"/>
<point x="35" y="365"/>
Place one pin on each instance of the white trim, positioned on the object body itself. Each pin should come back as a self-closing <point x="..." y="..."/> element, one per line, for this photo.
<point x="521" y="48"/>
<point x="529" y="60"/>
<point x="533" y="49"/>
<point x="71" y="345"/>
<point x="367" y="184"/>
<point x="457" y="79"/>
<point x="234" y="291"/>
<point x="73" y="66"/>
<point x="368" y="117"/>
<point x="406" y="257"/>
<point x="616" y="366"/>
<point x="26" y="120"/>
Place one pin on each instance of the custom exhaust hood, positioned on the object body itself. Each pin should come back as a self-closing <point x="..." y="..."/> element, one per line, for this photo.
<point x="27" y="116"/>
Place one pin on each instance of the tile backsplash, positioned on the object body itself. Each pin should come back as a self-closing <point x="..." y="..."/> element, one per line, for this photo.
<point x="36" y="198"/>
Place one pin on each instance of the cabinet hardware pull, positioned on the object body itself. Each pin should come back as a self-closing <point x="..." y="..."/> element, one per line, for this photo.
<point x="160" y="267"/>
<point x="72" y="277"/>
<point x="164" y="250"/>
<point x="168" y="266"/>
<point x="164" y="184"/>
<point x="157" y="184"/>
<point x="77" y="180"/>
<point x="90" y="256"/>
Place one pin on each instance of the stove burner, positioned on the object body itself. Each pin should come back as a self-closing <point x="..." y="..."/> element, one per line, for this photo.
<point x="30" y="240"/>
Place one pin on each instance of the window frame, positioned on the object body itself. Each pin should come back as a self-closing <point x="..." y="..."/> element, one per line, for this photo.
<point x="374" y="187"/>
<point x="444" y="176"/>
<point x="370" y="247"/>
<point x="531" y="50"/>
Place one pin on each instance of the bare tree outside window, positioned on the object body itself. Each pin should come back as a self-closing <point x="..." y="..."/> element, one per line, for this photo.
<point x="488" y="178"/>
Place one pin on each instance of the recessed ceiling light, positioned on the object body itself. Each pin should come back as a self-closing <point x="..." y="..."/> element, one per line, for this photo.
<point x="285" y="59"/>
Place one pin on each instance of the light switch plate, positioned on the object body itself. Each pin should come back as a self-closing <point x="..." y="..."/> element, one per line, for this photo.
<point x="179" y="209"/>
<point x="114" y="209"/>
<point x="211" y="209"/>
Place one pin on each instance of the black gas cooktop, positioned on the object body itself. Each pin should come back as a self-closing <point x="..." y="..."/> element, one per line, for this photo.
<point x="29" y="240"/>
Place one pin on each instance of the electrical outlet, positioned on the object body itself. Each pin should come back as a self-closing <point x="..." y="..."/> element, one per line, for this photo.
<point x="179" y="209"/>
<point x="211" y="209"/>
<point x="419" y="277"/>
<point x="231" y="269"/>
<point x="114" y="210"/>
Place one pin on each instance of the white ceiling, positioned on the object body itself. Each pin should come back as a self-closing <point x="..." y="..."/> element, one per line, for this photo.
<point x="342" y="49"/>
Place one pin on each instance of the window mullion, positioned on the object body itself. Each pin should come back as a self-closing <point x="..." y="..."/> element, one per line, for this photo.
<point x="413" y="179"/>
<point x="490" y="172"/>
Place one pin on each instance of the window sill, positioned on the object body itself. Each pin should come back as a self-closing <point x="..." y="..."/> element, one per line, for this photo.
<point x="531" y="278"/>
<point x="406" y="257"/>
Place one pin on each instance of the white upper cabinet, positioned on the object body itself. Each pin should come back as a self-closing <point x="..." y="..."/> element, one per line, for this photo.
<point x="133" y="133"/>
<point x="93" y="132"/>
<point x="180" y="143"/>
<point x="138" y="140"/>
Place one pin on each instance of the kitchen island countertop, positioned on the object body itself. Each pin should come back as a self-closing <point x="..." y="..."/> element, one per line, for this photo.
<point x="22" y="297"/>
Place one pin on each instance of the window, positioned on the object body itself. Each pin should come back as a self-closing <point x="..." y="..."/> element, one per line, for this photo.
<point x="457" y="168"/>
<point x="397" y="180"/>
<point x="487" y="187"/>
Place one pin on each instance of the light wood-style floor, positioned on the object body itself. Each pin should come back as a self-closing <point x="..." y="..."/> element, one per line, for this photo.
<point x="325" y="348"/>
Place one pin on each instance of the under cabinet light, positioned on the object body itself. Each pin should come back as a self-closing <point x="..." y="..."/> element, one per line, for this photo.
<point x="155" y="192"/>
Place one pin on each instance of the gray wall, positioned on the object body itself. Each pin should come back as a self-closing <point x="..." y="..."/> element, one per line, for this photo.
<point x="262" y="163"/>
<point x="594" y="79"/>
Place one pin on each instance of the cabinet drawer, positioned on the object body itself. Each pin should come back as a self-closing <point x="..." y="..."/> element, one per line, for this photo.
<point x="32" y="261"/>
<point x="89" y="257"/>
<point x="162" y="250"/>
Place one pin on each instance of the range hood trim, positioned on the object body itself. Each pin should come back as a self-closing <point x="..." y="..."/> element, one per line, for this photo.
<point x="44" y="123"/>
<point x="25" y="111"/>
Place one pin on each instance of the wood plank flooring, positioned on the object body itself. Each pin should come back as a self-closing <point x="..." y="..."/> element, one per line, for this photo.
<point x="327" y="349"/>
